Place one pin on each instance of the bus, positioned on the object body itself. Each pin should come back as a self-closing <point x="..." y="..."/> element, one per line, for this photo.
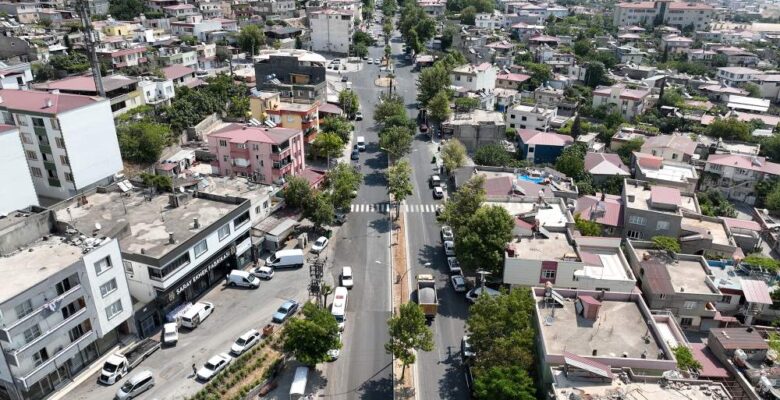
<point x="339" y="306"/>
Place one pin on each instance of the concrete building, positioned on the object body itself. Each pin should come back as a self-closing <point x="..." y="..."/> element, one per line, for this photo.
<point x="477" y="128"/>
<point x="679" y="14"/>
<point x="122" y="58"/>
<point x="628" y="102"/>
<point x="736" y="175"/>
<point x="542" y="147"/>
<point x="122" y="91"/>
<point x="657" y="171"/>
<point x="266" y="155"/>
<point x="603" y="166"/>
<point x="532" y="118"/>
<point x="64" y="302"/>
<point x="675" y="147"/>
<point x="434" y="8"/>
<point x="173" y="248"/>
<point x="511" y="80"/>
<point x="69" y="140"/>
<point x="15" y="76"/>
<point x="331" y="31"/>
<point x="15" y="179"/>
<point x="298" y="75"/>
<point x="275" y="8"/>
<point x="604" y="209"/>
<point x="654" y="210"/>
<point x="472" y="78"/>
<point x="156" y="91"/>
<point x="737" y="76"/>
<point x="267" y="107"/>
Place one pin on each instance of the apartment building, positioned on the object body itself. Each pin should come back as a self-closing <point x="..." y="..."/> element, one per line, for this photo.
<point x="64" y="303"/>
<point x="654" y="210"/>
<point x="511" y="80"/>
<point x="629" y="102"/>
<point x="674" y="147"/>
<point x="69" y="140"/>
<point x="658" y="171"/>
<point x="532" y="118"/>
<point x="472" y="78"/>
<point x="736" y="76"/>
<point x="298" y="75"/>
<point x="122" y="91"/>
<point x="476" y="128"/>
<point x="15" y="76"/>
<point x="121" y="58"/>
<point x="174" y="247"/>
<point x="156" y="91"/>
<point x="434" y="8"/>
<point x="268" y="108"/>
<point x="16" y="179"/>
<point x="180" y="10"/>
<point x="736" y="175"/>
<point x="353" y="7"/>
<point x="275" y="8"/>
<point x="678" y="14"/>
<point x="331" y="31"/>
<point x="267" y="155"/>
<point x="178" y="56"/>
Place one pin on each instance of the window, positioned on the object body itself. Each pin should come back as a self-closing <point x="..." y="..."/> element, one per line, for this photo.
<point x="637" y="220"/>
<point x="64" y="160"/>
<point x="634" y="234"/>
<point x="225" y="158"/>
<point x="223" y="143"/>
<point x="160" y="273"/>
<point x="690" y="305"/>
<point x="75" y="333"/>
<point x="69" y="310"/>
<point x="224" y="231"/>
<point x="662" y="225"/>
<point x="128" y="266"/>
<point x="725" y="299"/>
<point x="38" y="122"/>
<point x="30" y="155"/>
<point x="26" y="138"/>
<point x="531" y="149"/>
<point x="241" y="219"/>
<point x="40" y="357"/>
<point x="548" y="274"/>
<point x="674" y="156"/>
<point x="200" y="248"/>
<point x="23" y="309"/>
<point x="686" y="321"/>
<point x="103" y="265"/>
<point x="524" y="118"/>
<point x="114" y="309"/>
<point x="31" y="333"/>
<point x="60" y="142"/>
<point x="69" y="177"/>
<point x="108" y="288"/>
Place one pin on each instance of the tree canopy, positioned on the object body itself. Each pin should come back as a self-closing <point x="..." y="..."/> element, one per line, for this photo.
<point x="310" y="338"/>
<point x="408" y="332"/>
<point x="338" y="125"/>
<point x="396" y="140"/>
<point x="492" y="154"/>
<point x="463" y="203"/>
<point x="432" y="81"/>
<point x="348" y="101"/>
<point x="480" y="243"/>
<point x="251" y="39"/>
<point x="504" y="383"/>
<point x="439" y="107"/>
<point x="297" y="193"/>
<point x="729" y="129"/>
<point x="572" y="161"/>
<point x="143" y="142"/>
<point x="453" y="154"/>
<point x="399" y="181"/>
<point x="342" y="181"/>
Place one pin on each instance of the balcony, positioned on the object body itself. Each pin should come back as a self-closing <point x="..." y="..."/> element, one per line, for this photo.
<point x="280" y="156"/>
<point x="45" y="148"/>
<point x="61" y="357"/>
<point x="281" y="168"/>
<point x="240" y="162"/>
<point x="29" y="320"/>
<point x="236" y="153"/>
<point x="41" y="131"/>
<point x="25" y="352"/>
<point x="50" y="165"/>
<point x="55" y="182"/>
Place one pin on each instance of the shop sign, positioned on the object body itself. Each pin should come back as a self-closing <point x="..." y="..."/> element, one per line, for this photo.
<point x="205" y="270"/>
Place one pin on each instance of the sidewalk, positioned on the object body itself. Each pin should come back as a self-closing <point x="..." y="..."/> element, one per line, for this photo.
<point x="402" y="284"/>
<point x="85" y="374"/>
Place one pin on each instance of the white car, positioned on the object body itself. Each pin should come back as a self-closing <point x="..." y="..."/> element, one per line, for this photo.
<point x="333" y="354"/>
<point x="449" y="248"/>
<point x="454" y="266"/>
<point x="319" y="245"/>
<point x="438" y="192"/>
<point x="263" y="273"/>
<point x="447" y="234"/>
<point x="376" y="60"/>
<point x="370" y="61"/>
<point x="245" y="342"/>
<point x="458" y="283"/>
<point x="170" y="334"/>
<point x="213" y="366"/>
<point x="474" y="294"/>
<point x="346" y="277"/>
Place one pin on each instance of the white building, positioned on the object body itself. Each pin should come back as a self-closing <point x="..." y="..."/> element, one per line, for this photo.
<point x="331" y="31"/>
<point x="536" y="118"/>
<point x="736" y="76"/>
<point x="472" y="78"/>
<point x="629" y="102"/>
<point x="679" y="14"/>
<point x="15" y="177"/>
<point x="157" y="91"/>
<point x="494" y="20"/>
<point x="17" y="76"/>
<point x="63" y="301"/>
<point x="69" y="140"/>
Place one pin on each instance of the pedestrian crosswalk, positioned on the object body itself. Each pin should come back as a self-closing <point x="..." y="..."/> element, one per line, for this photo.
<point x="386" y="207"/>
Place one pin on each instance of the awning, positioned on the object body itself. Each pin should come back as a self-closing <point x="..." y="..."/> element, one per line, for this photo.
<point x="591" y="366"/>
<point x="755" y="291"/>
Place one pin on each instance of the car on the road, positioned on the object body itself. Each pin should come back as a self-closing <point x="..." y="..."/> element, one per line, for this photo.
<point x="434" y="181"/>
<point x="446" y="233"/>
<point x="469" y="379"/>
<point x="346" y="277"/>
<point x="137" y="384"/>
<point x="344" y="78"/>
<point x="370" y="61"/>
<point x="213" y="366"/>
<point x="245" y="342"/>
<point x="454" y="266"/>
<point x="340" y="218"/>
<point x="336" y="61"/>
<point x="358" y="116"/>
<point x="458" y="283"/>
<point x="286" y="310"/>
<point x="365" y="58"/>
<point x="449" y="248"/>
<point x="438" y="192"/>
<point x="263" y="273"/>
<point x="170" y="334"/>
<point x="360" y="142"/>
<point x="466" y="351"/>
<point x="474" y="294"/>
<point x="355" y="155"/>
<point x="333" y="354"/>
<point x="319" y="245"/>
<point x="376" y="61"/>
<point x="439" y="209"/>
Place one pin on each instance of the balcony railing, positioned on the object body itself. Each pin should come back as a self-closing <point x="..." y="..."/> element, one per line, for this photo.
<point x="50" y="165"/>
<point x="66" y="353"/>
<point x="54" y="182"/>
<point x="23" y="323"/>
<point x="63" y="327"/>
<point x="45" y="148"/>
<point x="41" y="131"/>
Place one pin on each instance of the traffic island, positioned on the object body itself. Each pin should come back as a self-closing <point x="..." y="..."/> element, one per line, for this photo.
<point x="404" y="388"/>
<point x="383" y="82"/>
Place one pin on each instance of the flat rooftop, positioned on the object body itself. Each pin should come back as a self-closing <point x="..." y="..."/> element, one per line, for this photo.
<point x="686" y="276"/>
<point x="236" y="187"/>
<point x="642" y="196"/>
<point x="670" y="173"/>
<point x="604" y="263"/>
<point x="715" y="229"/>
<point x="476" y="116"/>
<point x="554" y="248"/>
<point x="149" y="220"/>
<point x="619" y="329"/>
<point x="566" y="389"/>
<point x="549" y="216"/>
<point x="34" y="263"/>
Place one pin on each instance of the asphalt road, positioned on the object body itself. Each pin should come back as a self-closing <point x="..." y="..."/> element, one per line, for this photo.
<point x="364" y="369"/>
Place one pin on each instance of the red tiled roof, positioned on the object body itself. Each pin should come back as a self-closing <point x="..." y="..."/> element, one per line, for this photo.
<point x="35" y="101"/>
<point x="514" y="77"/>
<point x="313" y="176"/>
<point x="648" y="160"/>
<point x="644" y="5"/>
<point x="587" y="364"/>
<point x="677" y="142"/>
<point x="739" y="338"/>
<point x="176" y="71"/>
<point x="236" y="133"/>
<point x="328" y="108"/>
<point x="753" y="163"/>
<point x="594" y="161"/>
<point x="544" y="138"/>
<point x="124" y="52"/>
<point x="665" y="195"/>
<point x="86" y="83"/>
<point x="742" y="223"/>
<point x="591" y="259"/>
<point x="612" y="205"/>
<point x="755" y="291"/>
<point x="689" y="6"/>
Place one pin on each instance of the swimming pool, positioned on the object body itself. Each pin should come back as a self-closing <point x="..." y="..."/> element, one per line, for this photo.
<point x="534" y="179"/>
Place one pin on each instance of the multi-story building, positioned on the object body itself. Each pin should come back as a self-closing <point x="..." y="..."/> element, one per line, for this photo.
<point x="676" y="147"/>
<point x="64" y="301"/>
<point x="275" y="8"/>
<point x="69" y="140"/>
<point x="629" y="102"/>
<point x="15" y="76"/>
<point x="24" y="12"/>
<point x="180" y="10"/>
<point x="654" y="210"/>
<point x="176" y="56"/>
<point x="511" y="80"/>
<point x="472" y="78"/>
<point x="19" y="188"/>
<point x="736" y="175"/>
<point x="477" y="128"/>
<point x="541" y="147"/>
<point x="298" y="75"/>
<point x="679" y="14"/>
<point x="121" y="58"/>
<point x="434" y="8"/>
<point x="659" y="171"/>
<point x="353" y="7"/>
<point x="533" y="118"/>
<point x="736" y="76"/>
<point x="122" y="91"/>
<point x="331" y="31"/>
<point x="201" y="28"/>
<point x="174" y="247"/>
<point x="267" y="107"/>
<point x="156" y="91"/>
<point x="266" y="155"/>
<point x="604" y="166"/>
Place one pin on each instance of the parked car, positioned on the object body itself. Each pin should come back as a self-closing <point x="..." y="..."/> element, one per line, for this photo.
<point x="469" y="379"/>
<point x="346" y="277"/>
<point x="319" y="245"/>
<point x="344" y="78"/>
<point x="263" y="273"/>
<point x="438" y="192"/>
<point x="340" y="218"/>
<point x="245" y="342"/>
<point x="242" y="278"/>
<point x="359" y="116"/>
<point x="333" y="354"/>
<point x="170" y="334"/>
<point x="454" y="266"/>
<point x="458" y="283"/>
<point x="449" y="248"/>
<point x="370" y="60"/>
<point x="466" y="351"/>
<point x="439" y="209"/>
<point x="355" y="155"/>
<point x="376" y="60"/>
<point x="474" y="294"/>
<point x="361" y="143"/>
<point x="213" y="366"/>
<point x="136" y="385"/>
<point x="286" y="310"/>
<point x="446" y="233"/>
<point x="196" y="314"/>
<point x="434" y="181"/>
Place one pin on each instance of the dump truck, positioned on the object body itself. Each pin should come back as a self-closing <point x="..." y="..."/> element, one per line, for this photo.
<point x="119" y="364"/>
<point x="426" y="295"/>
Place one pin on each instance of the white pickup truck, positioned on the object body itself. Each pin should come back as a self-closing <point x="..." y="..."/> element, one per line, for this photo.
<point x="119" y="364"/>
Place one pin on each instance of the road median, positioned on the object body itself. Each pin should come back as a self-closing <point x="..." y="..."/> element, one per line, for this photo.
<point x="403" y="388"/>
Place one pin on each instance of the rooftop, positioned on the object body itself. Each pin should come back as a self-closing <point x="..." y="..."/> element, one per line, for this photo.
<point x="86" y="83"/>
<point x="606" y="211"/>
<point x="715" y="230"/>
<point x="605" y="164"/>
<point x="666" y="171"/>
<point x="661" y="199"/>
<point x="676" y="142"/>
<point x="147" y="221"/>
<point x="43" y="102"/>
<point x="236" y="133"/>
<point x="554" y="247"/>
<point x="176" y="71"/>
<point x="544" y="138"/>
<point x="476" y="116"/>
<point x="666" y="275"/>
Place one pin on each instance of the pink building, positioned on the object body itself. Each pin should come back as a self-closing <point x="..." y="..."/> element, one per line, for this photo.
<point x="265" y="154"/>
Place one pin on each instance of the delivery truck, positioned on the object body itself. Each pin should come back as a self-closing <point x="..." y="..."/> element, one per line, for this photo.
<point x="426" y="295"/>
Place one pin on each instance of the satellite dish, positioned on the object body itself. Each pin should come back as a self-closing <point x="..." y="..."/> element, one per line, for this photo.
<point x="98" y="226"/>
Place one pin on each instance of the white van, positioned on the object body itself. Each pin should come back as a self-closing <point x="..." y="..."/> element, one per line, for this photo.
<point x="298" y="387"/>
<point x="241" y="278"/>
<point x="339" y="306"/>
<point x="361" y="143"/>
<point x="196" y="314"/>
<point x="136" y="385"/>
<point x="290" y="258"/>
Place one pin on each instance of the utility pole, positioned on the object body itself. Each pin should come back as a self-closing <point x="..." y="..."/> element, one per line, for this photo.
<point x="90" y="42"/>
<point x="481" y="272"/>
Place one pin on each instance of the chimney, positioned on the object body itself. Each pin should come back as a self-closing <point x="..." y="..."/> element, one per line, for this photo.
<point x="171" y="239"/>
<point x="195" y="223"/>
<point x="48" y="103"/>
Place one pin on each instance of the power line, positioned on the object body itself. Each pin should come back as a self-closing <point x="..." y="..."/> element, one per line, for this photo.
<point x="90" y="41"/>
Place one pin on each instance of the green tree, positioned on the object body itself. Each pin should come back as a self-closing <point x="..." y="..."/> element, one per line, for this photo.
<point x="576" y="127"/>
<point x="126" y="10"/>
<point x="572" y="161"/>
<point x="685" y="359"/>
<point x="758" y="260"/>
<point x="439" y="107"/>
<point x="328" y="145"/>
<point x="430" y="82"/>
<point x="772" y="201"/>
<point x="387" y="28"/>
<point x="468" y="15"/>
<point x="251" y="39"/>
<point x="338" y="125"/>
<point x="408" y="332"/>
<point x="729" y="129"/>
<point x="504" y="383"/>
<point x="466" y="103"/>
<point x="343" y="180"/>
<point x="399" y="181"/>
<point x="396" y="141"/>
<point x="752" y="89"/>
<point x="143" y="142"/>
<point x="399" y="120"/>
<point x="297" y="193"/>
<point x="582" y="47"/>
<point x="160" y="182"/>
<point x="73" y="63"/>
<point x="463" y="203"/>
<point x="587" y="227"/>
<point x="714" y="204"/>
<point x="627" y="149"/>
<point x="595" y="74"/>
<point x="540" y="74"/>
<point x="453" y="155"/>
<point x="189" y="40"/>
<point x="238" y="107"/>
<point x="481" y="241"/>
<point x="361" y="50"/>
<point x="310" y="338"/>
<point x="388" y="107"/>
<point x="348" y="101"/>
<point x="493" y="155"/>
<point x="667" y="243"/>
<point x="320" y="211"/>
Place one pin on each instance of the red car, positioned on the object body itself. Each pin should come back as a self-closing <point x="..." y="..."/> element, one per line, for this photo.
<point x="423" y="128"/>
